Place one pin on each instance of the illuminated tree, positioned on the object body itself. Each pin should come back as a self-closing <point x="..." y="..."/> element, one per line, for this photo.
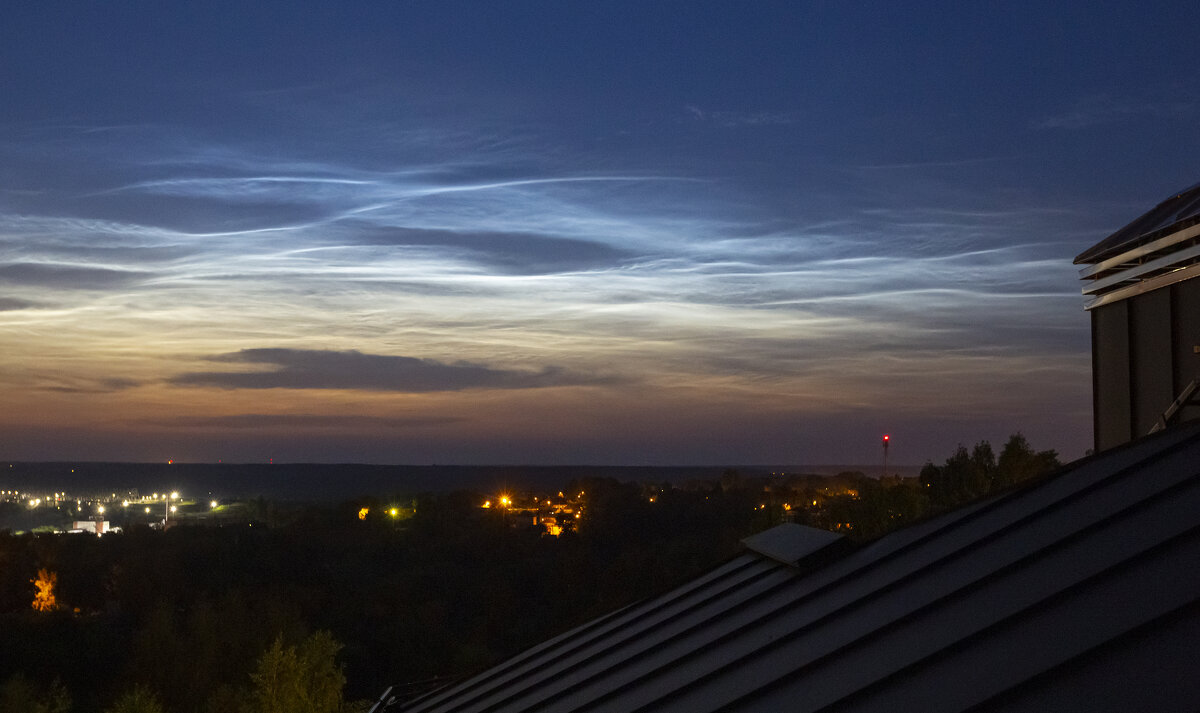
<point x="44" y="599"/>
<point x="138" y="700"/>
<point x="303" y="679"/>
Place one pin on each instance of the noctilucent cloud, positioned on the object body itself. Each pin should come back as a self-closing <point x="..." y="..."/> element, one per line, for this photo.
<point x="566" y="232"/>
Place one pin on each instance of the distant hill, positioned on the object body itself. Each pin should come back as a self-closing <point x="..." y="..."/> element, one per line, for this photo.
<point x="320" y="481"/>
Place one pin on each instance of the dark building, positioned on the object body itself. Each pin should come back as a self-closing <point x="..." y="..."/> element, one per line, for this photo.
<point x="1145" y="308"/>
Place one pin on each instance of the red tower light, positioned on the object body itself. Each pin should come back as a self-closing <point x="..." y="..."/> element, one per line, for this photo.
<point x="886" y="440"/>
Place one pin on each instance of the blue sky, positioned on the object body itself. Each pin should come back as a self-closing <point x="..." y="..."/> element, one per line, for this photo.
<point x="548" y="232"/>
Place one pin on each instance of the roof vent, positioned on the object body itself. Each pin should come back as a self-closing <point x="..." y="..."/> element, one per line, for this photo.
<point x="790" y="543"/>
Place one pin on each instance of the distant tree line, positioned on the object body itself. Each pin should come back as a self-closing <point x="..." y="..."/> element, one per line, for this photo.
<point x="319" y="608"/>
<point x="967" y="476"/>
<point x="209" y="618"/>
<point x="875" y="506"/>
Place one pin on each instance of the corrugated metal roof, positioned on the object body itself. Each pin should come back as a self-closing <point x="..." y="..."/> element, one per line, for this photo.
<point x="1176" y="212"/>
<point x="1060" y="595"/>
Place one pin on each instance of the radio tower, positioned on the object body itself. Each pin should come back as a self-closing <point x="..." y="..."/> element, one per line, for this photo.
<point x="886" y="440"/>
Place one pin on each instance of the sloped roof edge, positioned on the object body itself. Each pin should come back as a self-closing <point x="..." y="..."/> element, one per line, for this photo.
<point x="1174" y="213"/>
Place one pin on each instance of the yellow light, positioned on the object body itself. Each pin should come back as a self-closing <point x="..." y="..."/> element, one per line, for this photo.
<point x="124" y="503"/>
<point x="173" y="508"/>
<point x="393" y="512"/>
<point x="486" y="504"/>
<point x="100" y="509"/>
<point x="213" y="504"/>
<point x="147" y="511"/>
<point x="362" y="514"/>
<point x="175" y="495"/>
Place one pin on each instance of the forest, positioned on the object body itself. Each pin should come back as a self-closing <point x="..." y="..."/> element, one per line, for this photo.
<point x="323" y="606"/>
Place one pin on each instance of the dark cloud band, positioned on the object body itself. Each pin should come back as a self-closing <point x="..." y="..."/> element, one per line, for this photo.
<point x="321" y="369"/>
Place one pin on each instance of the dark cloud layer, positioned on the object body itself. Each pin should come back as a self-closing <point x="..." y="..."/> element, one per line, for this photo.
<point x="321" y="369"/>
<point x="505" y="252"/>
<point x="89" y="386"/>
<point x="8" y="304"/>
<point x="306" y="420"/>
<point x="67" y="276"/>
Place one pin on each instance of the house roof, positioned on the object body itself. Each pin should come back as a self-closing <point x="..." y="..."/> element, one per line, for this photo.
<point x="1079" y="591"/>
<point x="1155" y="251"/>
<point x="1178" y="211"/>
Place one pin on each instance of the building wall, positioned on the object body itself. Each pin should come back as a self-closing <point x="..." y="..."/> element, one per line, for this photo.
<point x="1110" y="375"/>
<point x="1143" y="356"/>
<point x="1151" y="371"/>
<point x="1186" y="311"/>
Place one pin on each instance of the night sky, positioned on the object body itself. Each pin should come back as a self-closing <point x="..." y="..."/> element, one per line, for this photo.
<point x="566" y="232"/>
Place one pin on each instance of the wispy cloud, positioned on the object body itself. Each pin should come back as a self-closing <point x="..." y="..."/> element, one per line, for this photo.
<point x="732" y="119"/>
<point x="1101" y="109"/>
<point x="640" y="284"/>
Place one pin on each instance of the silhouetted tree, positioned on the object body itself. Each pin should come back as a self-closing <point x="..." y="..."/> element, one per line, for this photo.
<point x="963" y="477"/>
<point x="1019" y="462"/>
<point x="966" y="476"/>
<point x="18" y="693"/>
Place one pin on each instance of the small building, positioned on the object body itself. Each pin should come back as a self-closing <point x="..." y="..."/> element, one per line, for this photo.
<point x="1144" y="302"/>
<point x="96" y="527"/>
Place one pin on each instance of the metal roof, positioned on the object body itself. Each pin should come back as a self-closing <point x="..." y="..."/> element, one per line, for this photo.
<point x="1174" y="213"/>
<point x="1080" y="591"/>
<point x="1158" y="249"/>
